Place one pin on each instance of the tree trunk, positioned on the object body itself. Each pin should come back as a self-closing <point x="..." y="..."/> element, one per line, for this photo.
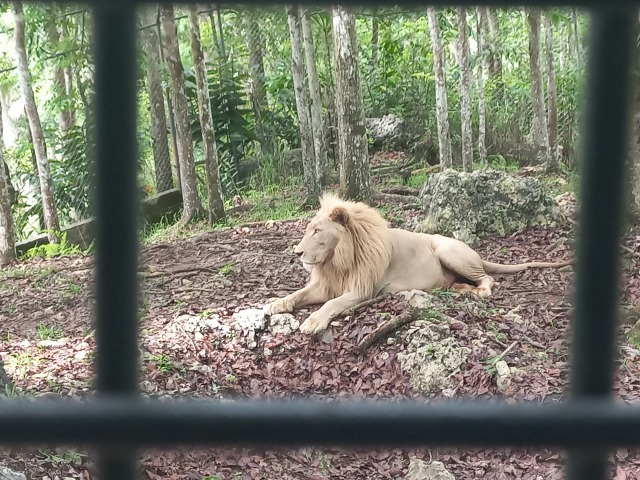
<point x="190" y="199"/>
<point x="482" y="114"/>
<point x="539" y="125"/>
<point x="62" y="83"/>
<point x="493" y="44"/>
<point x="355" y="181"/>
<point x="375" y="45"/>
<point x="330" y="101"/>
<point x="214" y="187"/>
<point x="465" y="91"/>
<point x="552" y="93"/>
<point x="317" y="125"/>
<point x="311" y="181"/>
<point x="256" y="68"/>
<point x="7" y="226"/>
<point x="46" y="185"/>
<point x="442" y="110"/>
<point x="162" y="161"/>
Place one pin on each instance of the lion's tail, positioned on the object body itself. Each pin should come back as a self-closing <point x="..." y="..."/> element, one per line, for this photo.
<point x="491" y="267"/>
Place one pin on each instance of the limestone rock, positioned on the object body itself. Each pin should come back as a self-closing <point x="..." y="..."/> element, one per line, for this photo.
<point x="283" y="323"/>
<point x="431" y="356"/>
<point x="504" y="375"/>
<point x="568" y="204"/>
<point x="250" y="319"/>
<point x="8" y="474"/>
<point x="387" y="131"/>
<point x="421" y="470"/>
<point x="421" y="299"/>
<point x="470" y="206"/>
<point x="199" y="324"/>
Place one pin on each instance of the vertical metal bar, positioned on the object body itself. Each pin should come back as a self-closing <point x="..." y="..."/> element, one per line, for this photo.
<point x="117" y="215"/>
<point x="605" y="149"/>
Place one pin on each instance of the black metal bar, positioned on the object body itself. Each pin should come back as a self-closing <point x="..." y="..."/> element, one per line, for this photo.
<point x="117" y="216"/>
<point x="605" y="150"/>
<point x="125" y="422"/>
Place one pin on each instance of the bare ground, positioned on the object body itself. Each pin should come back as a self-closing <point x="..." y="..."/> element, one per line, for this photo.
<point x="224" y="271"/>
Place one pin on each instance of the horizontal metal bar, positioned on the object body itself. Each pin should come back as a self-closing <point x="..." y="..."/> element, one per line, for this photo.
<point x="116" y="421"/>
<point x="399" y="3"/>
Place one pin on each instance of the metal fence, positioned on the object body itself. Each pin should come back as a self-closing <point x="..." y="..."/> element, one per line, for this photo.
<point x="118" y="421"/>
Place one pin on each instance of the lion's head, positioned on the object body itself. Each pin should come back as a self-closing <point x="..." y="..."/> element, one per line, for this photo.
<point x="346" y="246"/>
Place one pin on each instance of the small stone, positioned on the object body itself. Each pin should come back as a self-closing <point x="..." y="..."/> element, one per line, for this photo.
<point x="503" y="376"/>
<point x="198" y="336"/>
<point x="267" y="352"/>
<point x="81" y="355"/>
<point x="421" y="470"/>
<point x="8" y="474"/>
<point x="250" y="319"/>
<point x="283" y="323"/>
<point x="326" y="336"/>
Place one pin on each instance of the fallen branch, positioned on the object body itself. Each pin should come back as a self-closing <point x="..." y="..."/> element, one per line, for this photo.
<point x="176" y="272"/>
<point x="430" y="169"/>
<point x="361" y="305"/>
<point x="390" y="326"/>
<point x="401" y="190"/>
<point x="389" y="197"/>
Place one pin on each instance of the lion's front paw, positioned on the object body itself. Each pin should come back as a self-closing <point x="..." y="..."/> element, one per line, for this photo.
<point x="314" y="324"/>
<point x="281" y="305"/>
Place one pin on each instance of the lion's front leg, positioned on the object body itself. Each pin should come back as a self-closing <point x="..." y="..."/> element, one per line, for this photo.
<point x="321" y="319"/>
<point x="309" y="295"/>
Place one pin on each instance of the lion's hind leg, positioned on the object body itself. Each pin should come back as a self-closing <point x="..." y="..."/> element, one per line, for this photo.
<point x="463" y="262"/>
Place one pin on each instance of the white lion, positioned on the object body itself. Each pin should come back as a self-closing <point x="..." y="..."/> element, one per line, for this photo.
<point x="353" y="255"/>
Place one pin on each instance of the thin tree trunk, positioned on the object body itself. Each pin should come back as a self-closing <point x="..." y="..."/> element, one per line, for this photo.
<point x="482" y="118"/>
<point x="256" y="68"/>
<point x="493" y="44"/>
<point x="311" y="181"/>
<point x="190" y="198"/>
<point x="539" y="125"/>
<point x="62" y="84"/>
<point x="214" y="187"/>
<point x="465" y="91"/>
<point x="552" y="93"/>
<point x="355" y="183"/>
<point x="375" y="33"/>
<point x="162" y="161"/>
<point x="329" y="101"/>
<point x="317" y="125"/>
<point x="7" y="226"/>
<point x="46" y="184"/>
<point x="442" y="110"/>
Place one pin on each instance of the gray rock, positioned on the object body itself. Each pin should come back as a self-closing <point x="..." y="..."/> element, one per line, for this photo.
<point x="421" y="299"/>
<point x="283" y="323"/>
<point x="470" y="206"/>
<point x="8" y="474"/>
<point x="431" y="356"/>
<point x="326" y="335"/>
<point x="421" y="470"/>
<point x="197" y="324"/>
<point x="250" y="319"/>
<point x="387" y="131"/>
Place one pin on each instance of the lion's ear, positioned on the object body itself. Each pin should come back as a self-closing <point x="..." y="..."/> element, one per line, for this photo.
<point x="339" y="215"/>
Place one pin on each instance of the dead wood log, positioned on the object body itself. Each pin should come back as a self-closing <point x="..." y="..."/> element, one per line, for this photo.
<point x="401" y="190"/>
<point x="391" y="198"/>
<point x="391" y="326"/>
<point x="361" y="305"/>
<point x="430" y="169"/>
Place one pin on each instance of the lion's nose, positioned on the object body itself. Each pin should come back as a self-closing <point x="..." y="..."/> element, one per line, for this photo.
<point x="299" y="253"/>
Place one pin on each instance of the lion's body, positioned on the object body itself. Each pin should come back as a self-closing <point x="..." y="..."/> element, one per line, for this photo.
<point x="353" y="255"/>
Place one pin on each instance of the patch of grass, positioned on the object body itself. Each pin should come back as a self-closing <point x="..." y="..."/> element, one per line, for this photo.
<point x="9" y="309"/>
<point x="61" y="457"/>
<point x="20" y="364"/>
<point x="443" y="293"/>
<point x="73" y="288"/>
<point x="227" y="269"/>
<point x="56" y="249"/>
<point x="418" y="180"/>
<point x="49" y="332"/>
<point x="163" y="362"/>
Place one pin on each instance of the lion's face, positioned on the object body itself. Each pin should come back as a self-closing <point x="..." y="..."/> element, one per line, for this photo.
<point x="320" y="241"/>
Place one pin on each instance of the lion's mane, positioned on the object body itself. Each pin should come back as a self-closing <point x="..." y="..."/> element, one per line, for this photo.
<point x="363" y="252"/>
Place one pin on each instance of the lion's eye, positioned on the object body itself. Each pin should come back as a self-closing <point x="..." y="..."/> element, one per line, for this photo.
<point x="316" y="231"/>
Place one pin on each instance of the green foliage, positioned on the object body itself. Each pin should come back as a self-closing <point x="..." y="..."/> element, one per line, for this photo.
<point x="55" y="249"/>
<point x="49" y="332"/>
